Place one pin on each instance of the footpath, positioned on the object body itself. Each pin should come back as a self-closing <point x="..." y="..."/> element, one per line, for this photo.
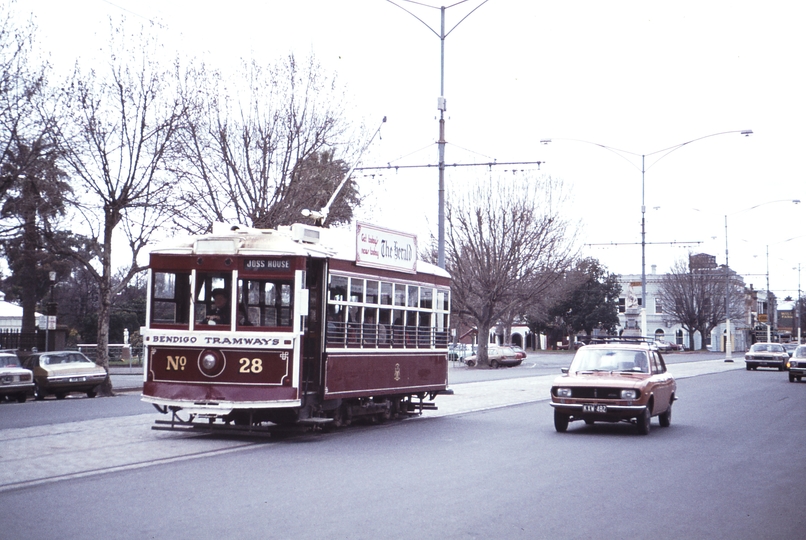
<point x="86" y="448"/>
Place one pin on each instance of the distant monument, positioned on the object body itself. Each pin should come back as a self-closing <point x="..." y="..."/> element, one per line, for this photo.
<point x="632" y="311"/>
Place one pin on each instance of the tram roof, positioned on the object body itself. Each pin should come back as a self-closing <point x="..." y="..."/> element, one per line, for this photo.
<point x="295" y="240"/>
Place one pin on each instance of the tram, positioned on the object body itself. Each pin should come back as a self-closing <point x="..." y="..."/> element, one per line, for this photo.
<point x="294" y="325"/>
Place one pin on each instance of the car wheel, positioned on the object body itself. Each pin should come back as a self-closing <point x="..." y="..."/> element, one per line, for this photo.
<point x="39" y="395"/>
<point x="644" y="422"/>
<point x="61" y="395"/>
<point x="560" y="421"/>
<point x="791" y="378"/>
<point x="92" y="393"/>
<point x="665" y="419"/>
<point x="471" y="363"/>
<point x="22" y="398"/>
<point x="494" y="364"/>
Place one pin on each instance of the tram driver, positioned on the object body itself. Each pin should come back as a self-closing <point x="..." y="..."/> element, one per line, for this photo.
<point x="220" y="311"/>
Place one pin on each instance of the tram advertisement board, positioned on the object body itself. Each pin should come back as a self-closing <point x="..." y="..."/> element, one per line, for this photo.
<point x="383" y="248"/>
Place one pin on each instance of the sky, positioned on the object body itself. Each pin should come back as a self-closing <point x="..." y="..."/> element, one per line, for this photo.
<point x="594" y="77"/>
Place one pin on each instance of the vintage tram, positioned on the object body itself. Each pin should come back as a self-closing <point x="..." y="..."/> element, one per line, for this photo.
<point x="303" y="325"/>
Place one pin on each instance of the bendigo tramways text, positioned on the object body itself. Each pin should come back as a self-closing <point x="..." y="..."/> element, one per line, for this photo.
<point x="247" y="327"/>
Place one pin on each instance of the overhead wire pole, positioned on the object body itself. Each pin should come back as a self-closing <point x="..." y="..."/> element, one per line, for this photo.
<point x="664" y="152"/>
<point x="441" y="106"/>
<point x="728" y="344"/>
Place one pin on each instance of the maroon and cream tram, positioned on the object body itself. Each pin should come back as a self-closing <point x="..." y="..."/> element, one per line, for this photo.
<point x="294" y="325"/>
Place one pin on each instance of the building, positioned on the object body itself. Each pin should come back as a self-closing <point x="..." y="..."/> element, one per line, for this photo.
<point x="759" y="309"/>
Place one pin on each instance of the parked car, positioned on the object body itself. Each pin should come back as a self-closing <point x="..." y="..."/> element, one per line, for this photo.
<point x="15" y="381"/>
<point x="459" y="351"/>
<point x="498" y="355"/>
<point x="666" y="346"/>
<point x="62" y="372"/>
<point x="766" y="355"/>
<point x="614" y="382"/>
<point x="797" y="364"/>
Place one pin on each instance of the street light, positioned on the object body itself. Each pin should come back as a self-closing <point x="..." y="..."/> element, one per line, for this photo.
<point x="441" y="106"/>
<point x="663" y="153"/>
<point x="728" y="345"/>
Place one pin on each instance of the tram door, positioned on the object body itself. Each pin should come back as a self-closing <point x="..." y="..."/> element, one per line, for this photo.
<point x="313" y="341"/>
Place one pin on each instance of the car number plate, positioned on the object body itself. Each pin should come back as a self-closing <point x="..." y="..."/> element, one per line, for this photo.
<point x="77" y="379"/>
<point x="594" y="408"/>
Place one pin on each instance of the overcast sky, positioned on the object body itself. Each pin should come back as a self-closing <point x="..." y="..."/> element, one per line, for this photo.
<point x="639" y="76"/>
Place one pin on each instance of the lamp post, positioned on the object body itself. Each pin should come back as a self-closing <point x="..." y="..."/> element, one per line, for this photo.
<point x="662" y="153"/>
<point x="728" y="344"/>
<point x="441" y="106"/>
<point x="51" y="311"/>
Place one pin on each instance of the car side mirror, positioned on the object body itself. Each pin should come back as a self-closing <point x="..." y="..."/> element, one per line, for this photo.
<point x="564" y="370"/>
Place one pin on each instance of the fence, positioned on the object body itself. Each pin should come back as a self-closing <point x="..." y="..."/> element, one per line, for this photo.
<point x="28" y="341"/>
<point x="118" y="353"/>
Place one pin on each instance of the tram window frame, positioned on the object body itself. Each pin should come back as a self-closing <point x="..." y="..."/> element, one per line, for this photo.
<point x="386" y="293"/>
<point x="175" y="300"/>
<point x="399" y="315"/>
<point x="269" y="305"/>
<point x="205" y="284"/>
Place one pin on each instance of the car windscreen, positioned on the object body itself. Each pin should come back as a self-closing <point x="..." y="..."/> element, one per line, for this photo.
<point x="9" y="360"/>
<point x="589" y="359"/>
<point x="70" y="358"/>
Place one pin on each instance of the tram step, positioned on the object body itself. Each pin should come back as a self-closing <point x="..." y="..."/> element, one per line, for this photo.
<point x="315" y="421"/>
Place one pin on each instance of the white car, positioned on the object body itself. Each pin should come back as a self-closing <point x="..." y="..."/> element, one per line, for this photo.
<point x="15" y="381"/>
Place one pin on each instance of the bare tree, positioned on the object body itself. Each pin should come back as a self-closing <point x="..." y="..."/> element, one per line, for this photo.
<point x="696" y="298"/>
<point x="507" y="245"/>
<point x="115" y="136"/>
<point x="260" y="146"/>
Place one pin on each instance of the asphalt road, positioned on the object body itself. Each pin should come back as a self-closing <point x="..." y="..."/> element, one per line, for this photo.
<point x="726" y="468"/>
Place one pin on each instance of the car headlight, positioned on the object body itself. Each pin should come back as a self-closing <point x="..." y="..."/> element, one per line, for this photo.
<point x="629" y="394"/>
<point x="563" y="392"/>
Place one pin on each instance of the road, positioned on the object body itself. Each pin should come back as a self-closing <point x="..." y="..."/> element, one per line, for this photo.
<point x="488" y="464"/>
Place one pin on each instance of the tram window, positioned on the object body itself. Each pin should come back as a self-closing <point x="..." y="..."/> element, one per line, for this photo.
<point x="400" y="295"/>
<point x="384" y="326"/>
<point x="357" y="290"/>
<point x="336" y="327"/>
<point x="426" y="298"/>
<point x="442" y="300"/>
<point x="386" y="294"/>
<point x="338" y="288"/>
<point x="413" y="295"/>
<point x="372" y="292"/>
<point x="266" y="303"/>
<point x="204" y="301"/>
<point x="170" y="294"/>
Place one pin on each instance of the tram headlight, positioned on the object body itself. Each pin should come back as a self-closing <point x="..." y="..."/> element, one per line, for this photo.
<point x="211" y="363"/>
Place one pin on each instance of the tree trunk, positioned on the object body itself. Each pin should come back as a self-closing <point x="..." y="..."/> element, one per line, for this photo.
<point x="484" y="339"/>
<point x="105" y="305"/>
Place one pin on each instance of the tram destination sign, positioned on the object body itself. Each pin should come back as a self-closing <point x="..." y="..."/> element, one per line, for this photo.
<point x="383" y="248"/>
<point x="263" y="264"/>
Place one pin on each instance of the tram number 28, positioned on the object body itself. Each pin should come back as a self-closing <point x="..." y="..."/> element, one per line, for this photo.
<point x="255" y="365"/>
